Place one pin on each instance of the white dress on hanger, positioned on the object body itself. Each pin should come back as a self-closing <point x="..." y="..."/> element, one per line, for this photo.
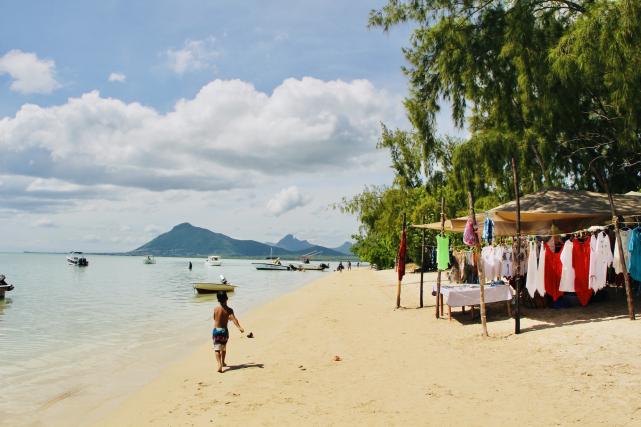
<point x="540" y="272"/>
<point x="491" y="258"/>
<point x="600" y="257"/>
<point x="530" y="283"/>
<point x="567" y="273"/>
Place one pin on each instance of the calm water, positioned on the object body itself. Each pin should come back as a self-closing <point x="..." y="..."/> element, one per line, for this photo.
<point x="65" y="329"/>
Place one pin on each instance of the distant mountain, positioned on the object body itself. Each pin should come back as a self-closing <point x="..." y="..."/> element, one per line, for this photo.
<point x="292" y="244"/>
<point x="187" y="240"/>
<point x="345" y="248"/>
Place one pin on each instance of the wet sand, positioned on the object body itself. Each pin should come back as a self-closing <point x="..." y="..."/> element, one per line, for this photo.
<point x="337" y="352"/>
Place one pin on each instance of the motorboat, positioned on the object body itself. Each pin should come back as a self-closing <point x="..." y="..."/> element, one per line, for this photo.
<point x="4" y="286"/>
<point x="76" y="258"/>
<point x="313" y="267"/>
<point x="214" y="260"/>
<point x="213" y="287"/>
<point x="149" y="259"/>
<point x="274" y="264"/>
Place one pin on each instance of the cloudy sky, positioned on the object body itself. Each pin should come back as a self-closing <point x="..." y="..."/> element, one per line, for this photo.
<point x="119" y="119"/>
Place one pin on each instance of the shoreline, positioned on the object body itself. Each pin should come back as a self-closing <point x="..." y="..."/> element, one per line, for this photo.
<point x="572" y="366"/>
<point x="87" y="378"/>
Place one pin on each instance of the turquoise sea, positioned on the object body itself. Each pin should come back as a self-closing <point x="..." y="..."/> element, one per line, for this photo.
<point x="90" y="335"/>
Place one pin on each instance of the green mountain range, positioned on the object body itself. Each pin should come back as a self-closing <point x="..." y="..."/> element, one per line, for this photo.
<point x="186" y="240"/>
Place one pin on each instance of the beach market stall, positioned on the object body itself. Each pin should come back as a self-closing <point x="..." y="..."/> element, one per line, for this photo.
<point x="552" y="213"/>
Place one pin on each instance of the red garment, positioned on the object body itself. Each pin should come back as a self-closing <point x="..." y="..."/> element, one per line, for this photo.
<point x="581" y="265"/>
<point x="553" y="267"/>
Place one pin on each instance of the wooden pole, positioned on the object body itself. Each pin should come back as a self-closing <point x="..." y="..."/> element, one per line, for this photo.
<point x="398" y="287"/>
<point x="438" y="274"/>
<point x="479" y="267"/>
<point x="615" y="219"/>
<point x="517" y="270"/>
<point x="422" y="264"/>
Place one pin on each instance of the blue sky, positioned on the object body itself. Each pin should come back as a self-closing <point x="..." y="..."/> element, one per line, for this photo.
<point x="121" y="119"/>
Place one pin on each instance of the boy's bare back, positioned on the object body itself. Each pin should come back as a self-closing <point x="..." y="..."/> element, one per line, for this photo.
<point x="222" y="316"/>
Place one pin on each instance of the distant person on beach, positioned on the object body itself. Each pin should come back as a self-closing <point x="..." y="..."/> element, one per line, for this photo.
<point x="349" y="265"/>
<point x="220" y="333"/>
<point x="190" y="265"/>
<point x="340" y="267"/>
<point x="358" y="264"/>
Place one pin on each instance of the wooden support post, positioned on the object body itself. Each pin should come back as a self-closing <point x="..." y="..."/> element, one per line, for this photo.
<point x="398" y="287"/>
<point x="479" y="267"/>
<point x="420" y="300"/>
<point x="615" y="219"/>
<point x="517" y="270"/>
<point x="438" y="274"/>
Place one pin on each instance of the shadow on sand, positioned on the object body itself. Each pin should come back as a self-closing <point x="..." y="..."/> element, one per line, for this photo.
<point x="609" y="306"/>
<point x="244" y="366"/>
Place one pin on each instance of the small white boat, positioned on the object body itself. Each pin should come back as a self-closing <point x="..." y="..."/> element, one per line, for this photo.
<point x="149" y="259"/>
<point x="271" y="265"/>
<point x="76" y="258"/>
<point x="4" y="286"/>
<point x="214" y="260"/>
<point x="313" y="267"/>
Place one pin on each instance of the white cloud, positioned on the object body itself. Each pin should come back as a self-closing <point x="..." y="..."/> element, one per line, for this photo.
<point x="117" y="77"/>
<point x="152" y="229"/>
<point x="44" y="223"/>
<point x="29" y="73"/>
<point x="286" y="200"/>
<point x="195" y="55"/>
<point x="228" y="136"/>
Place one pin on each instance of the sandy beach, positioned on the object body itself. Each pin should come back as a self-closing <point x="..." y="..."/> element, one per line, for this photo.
<point x="578" y="366"/>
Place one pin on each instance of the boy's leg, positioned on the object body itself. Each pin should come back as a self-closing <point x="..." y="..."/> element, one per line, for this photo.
<point x="219" y="359"/>
<point x="223" y="353"/>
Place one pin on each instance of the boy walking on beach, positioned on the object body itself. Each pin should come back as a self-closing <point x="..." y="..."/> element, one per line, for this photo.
<point x="220" y="334"/>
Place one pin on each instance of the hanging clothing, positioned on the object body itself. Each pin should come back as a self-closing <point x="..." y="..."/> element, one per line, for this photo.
<point x="491" y="259"/>
<point x="635" y="254"/>
<point x="600" y="257"/>
<point x="469" y="235"/>
<point x="522" y="256"/>
<point x="581" y="264"/>
<point x="488" y="229"/>
<point x="567" y="271"/>
<point x="625" y="242"/>
<point x="530" y="282"/>
<point x="553" y="269"/>
<point x="442" y="252"/>
<point x="507" y="269"/>
<point x="540" y="272"/>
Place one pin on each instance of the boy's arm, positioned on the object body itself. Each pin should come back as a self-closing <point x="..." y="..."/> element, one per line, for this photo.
<point x="233" y="319"/>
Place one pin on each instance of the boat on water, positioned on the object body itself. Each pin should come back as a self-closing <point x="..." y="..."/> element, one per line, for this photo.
<point x="4" y="286"/>
<point x="313" y="267"/>
<point x="214" y="260"/>
<point x="149" y="259"/>
<point x="213" y="287"/>
<point x="76" y="258"/>
<point x="274" y="264"/>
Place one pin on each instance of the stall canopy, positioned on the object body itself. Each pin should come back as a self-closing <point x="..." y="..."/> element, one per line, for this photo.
<point x="551" y="210"/>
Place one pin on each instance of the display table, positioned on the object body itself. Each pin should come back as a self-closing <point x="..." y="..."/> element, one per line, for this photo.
<point x="470" y="295"/>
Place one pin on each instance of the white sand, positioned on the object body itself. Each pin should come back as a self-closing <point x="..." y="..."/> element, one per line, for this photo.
<point x="575" y="366"/>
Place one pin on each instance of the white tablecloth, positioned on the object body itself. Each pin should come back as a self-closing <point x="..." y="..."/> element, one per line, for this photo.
<point x="468" y="294"/>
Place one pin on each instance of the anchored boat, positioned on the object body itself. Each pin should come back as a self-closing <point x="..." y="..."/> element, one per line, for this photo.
<point x="4" y="286"/>
<point x="76" y="258"/>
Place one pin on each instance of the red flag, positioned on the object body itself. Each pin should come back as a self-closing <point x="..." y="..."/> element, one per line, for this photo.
<point x="402" y="250"/>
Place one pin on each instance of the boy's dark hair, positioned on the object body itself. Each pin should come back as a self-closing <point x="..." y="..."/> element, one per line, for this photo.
<point x="221" y="296"/>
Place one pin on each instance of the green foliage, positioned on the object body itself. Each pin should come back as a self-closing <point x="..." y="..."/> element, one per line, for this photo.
<point x="553" y="84"/>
